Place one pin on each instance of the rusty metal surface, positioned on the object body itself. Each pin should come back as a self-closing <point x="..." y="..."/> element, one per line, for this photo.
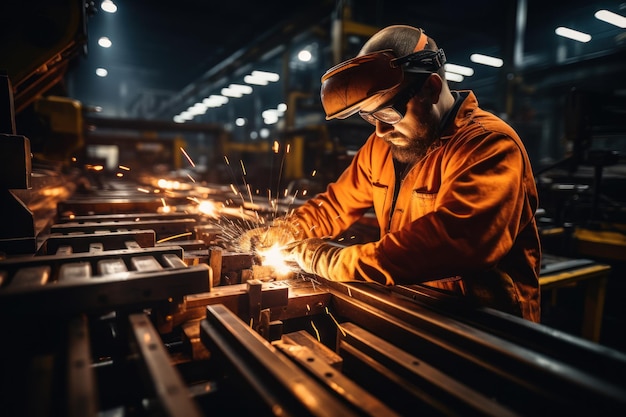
<point x="284" y="389"/>
<point x="165" y="381"/>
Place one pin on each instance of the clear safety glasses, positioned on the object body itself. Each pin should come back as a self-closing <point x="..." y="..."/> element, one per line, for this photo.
<point x="391" y="113"/>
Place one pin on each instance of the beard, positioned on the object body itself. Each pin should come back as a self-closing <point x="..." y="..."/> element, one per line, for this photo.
<point x="418" y="143"/>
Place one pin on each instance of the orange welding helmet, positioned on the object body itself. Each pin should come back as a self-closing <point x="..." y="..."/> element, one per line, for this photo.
<point x="374" y="78"/>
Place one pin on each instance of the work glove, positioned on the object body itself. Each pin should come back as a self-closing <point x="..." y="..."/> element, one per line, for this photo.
<point x="280" y="232"/>
<point x="313" y="255"/>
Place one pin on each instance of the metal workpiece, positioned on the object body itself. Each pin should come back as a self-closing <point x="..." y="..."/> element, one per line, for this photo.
<point x="82" y="389"/>
<point x="252" y="364"/>
<point x="335" y="381"/>
<point x="162" y="228"/>
<point x="164" y="381"/>
<point x="518" y="377"/>
<point x="62" y="284"/>
<point x="111" y="240"/>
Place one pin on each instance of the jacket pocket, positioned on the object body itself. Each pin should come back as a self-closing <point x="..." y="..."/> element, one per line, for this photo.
<point x="379" y="192"/>
<point x="422" y="204"/>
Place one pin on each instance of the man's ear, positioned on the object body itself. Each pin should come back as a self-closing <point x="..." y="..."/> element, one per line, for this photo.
<point x="432" y="88"/>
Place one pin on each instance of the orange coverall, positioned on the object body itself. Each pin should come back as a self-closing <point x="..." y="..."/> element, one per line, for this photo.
<point x="464" y="219"/>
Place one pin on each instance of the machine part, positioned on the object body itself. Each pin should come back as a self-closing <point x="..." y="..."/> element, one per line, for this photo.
<point x="477" y="357"/>
<point x="99" y="293"/>
<point x="165" y="382"/>
<point x="162" y="228"/>
<point x="280" y="386"/>
<point x="343" y="387"/>
<point x="80" y="242"/>
<point x="82" y="397"/>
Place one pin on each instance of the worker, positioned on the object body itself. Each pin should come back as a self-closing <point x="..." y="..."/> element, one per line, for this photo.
<point x="451" y="185"/>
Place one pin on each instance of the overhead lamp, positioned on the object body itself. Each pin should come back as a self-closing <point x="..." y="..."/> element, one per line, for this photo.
<point x="108" y="6"/>
<point x="612" y="18"/>
<point x="229" y="92"/>
<point x="105" y="42"/>
<point x="243" y="89"/>
<point x="486" y="60"/>
<point x="305" y="55"/>
<point x="452" y="76"/>
<point x="101" y="72"/>
<point x="250" y="79"/>
<point x="572" y="34"/>
<point x="459" y="69"/>
<point x="269" y="76"/>
<point x="215" y="100"/>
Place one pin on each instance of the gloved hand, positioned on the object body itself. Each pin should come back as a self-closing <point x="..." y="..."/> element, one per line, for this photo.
<point x="313" y="255"/>
<point x="281" y="232"/>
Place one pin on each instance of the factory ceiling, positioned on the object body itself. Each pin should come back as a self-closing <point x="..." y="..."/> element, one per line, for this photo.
<point x="163" y="52"/>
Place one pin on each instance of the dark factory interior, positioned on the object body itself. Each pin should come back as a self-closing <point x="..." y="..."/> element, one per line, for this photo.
<point x="140" y="139"/>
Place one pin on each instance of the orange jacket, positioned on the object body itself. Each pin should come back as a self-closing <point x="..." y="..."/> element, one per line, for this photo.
<point x="464" y="219"/>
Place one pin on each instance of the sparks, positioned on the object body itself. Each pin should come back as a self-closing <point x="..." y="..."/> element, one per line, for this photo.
<point x="188" y="157"/>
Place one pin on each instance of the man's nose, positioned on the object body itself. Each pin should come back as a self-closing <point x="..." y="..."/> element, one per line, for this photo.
<point x="382" y="128"/>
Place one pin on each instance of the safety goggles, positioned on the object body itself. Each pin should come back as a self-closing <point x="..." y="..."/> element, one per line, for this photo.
<point x="394" y="112"/>
<point x="370" y="80"/>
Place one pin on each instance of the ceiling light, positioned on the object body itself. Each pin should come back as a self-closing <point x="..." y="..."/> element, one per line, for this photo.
<point x="451" y="76"/>
<point x="108" y="6"/>
<point x="243" y="89"/>
<point x="572" y="34"/>
<point x="459" y="69"/>
<point x="250" y="79"/>
<point x="105" y="42"/>
<point x="240" y="121"/>
<point x="215" y="100"/>
<point x="612" y="18"/>
<point x="229" y="92"/>
<point x="101" y="72"/>
<point x="269" y="76"/>
<point x="486" y="60"/>
<point x="304" y="55"/>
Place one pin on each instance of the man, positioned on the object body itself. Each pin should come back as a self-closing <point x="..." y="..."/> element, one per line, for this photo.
<point x="451" y="184"/>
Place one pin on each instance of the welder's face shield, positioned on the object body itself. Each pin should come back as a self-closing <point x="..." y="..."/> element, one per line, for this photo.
<point x="371" y="80"/>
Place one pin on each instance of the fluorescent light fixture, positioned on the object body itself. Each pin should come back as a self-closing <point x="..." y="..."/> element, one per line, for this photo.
<point x="179" y="119"/>
<point x="101" y="72"/>
<point x="240" y="121"/>
<point x="459" y="69"/>
<point x="572" y="34"/>
<point x="243" y="89"/>
<point x="250" y="79"/>
<point x="612" y="18"/>
<point x="108" y="6"/>
<point x="215" y="100"/>
<point x="451" y="76"/>
<point x="269" y="76"/>
<point x="486" y="60"/>
<point x="105" y="42"/>
<point x="229" y="92"/>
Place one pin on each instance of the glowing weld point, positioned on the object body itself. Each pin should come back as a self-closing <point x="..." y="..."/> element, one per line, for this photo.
<point x="274" y="257"/>
<point x="125" y="168"/>
<point x="314" y="172"/>
<point x="276" y="146"/>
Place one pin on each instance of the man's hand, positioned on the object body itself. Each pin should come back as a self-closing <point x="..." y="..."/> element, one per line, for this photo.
<point x="313" y="255"/>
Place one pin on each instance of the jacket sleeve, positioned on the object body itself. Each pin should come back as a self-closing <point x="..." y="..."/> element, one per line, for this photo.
<point x="474" y="224"/>
<point x="344" y="201"/>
